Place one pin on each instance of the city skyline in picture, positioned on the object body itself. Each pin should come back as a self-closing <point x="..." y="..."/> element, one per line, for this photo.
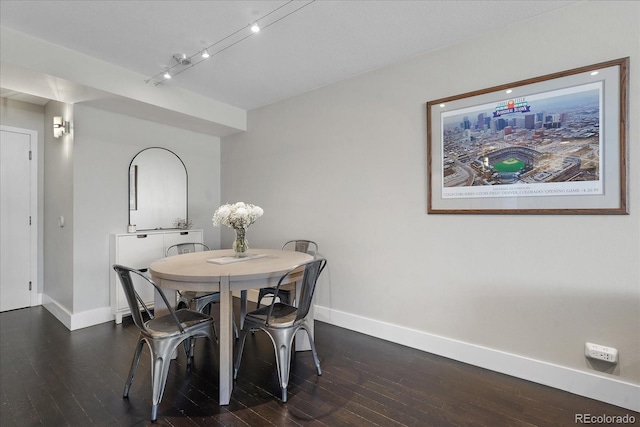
<point x="545" y="144"/>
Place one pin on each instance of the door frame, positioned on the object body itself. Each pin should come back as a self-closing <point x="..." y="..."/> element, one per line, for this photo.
<point x="33" y="208"/>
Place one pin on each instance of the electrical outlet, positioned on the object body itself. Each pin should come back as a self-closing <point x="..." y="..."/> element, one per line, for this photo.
<point x="601" y="352"/>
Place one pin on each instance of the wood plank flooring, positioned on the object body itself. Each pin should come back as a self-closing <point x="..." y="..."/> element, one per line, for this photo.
<point x="52" y="377"/>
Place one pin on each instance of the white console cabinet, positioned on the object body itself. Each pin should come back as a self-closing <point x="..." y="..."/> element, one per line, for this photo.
<point x="138" y="250"/>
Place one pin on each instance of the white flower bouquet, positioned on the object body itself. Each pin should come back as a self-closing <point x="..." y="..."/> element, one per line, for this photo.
<point x="237" y="216"/>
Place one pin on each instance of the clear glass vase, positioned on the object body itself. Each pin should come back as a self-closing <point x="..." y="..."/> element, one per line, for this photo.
<point x="240" y="245"/>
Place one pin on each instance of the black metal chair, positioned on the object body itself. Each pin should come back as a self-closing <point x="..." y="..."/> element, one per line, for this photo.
<point x="281" y="321"/>
<point x="162" y="334"/>
<point x="287" y="293"/>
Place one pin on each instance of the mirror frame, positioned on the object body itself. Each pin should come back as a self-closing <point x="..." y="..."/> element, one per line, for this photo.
<point x="186" y="174"/>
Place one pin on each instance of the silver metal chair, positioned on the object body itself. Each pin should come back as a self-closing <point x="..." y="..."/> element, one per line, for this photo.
<point x="185" y="248"/>
<point x="162" y="334"/>
<point x="281" y="321"/>
<point x="197" y="301"/>
<point x="288" y="292"/>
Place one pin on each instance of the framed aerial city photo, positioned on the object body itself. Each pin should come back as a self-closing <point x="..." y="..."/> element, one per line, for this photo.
<point x="554" y="144"/>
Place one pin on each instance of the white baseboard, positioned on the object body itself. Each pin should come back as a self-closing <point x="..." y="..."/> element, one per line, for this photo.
<point x="88" y="318"/>
<point x="609" y="390"/>
<point x="58" y="311"/>
<point x="80" y="320"/>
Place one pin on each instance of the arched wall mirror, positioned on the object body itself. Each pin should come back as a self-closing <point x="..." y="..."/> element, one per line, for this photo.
<point x="157" y="189"/>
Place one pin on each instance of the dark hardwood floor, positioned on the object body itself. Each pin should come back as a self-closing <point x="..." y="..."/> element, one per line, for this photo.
<point x="50" y="376"/>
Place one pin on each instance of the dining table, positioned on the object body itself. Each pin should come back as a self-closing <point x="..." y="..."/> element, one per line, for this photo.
<point x="220" y="271"/>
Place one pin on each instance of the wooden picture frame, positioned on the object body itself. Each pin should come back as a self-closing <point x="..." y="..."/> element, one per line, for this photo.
<point x="554" y="144"/>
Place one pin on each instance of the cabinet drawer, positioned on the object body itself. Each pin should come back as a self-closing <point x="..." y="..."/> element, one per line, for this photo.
<point x="186" y="236"/>
<point x="139" y="250"/>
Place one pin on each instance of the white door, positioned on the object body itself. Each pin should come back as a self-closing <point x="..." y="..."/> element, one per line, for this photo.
<point x="16" y="251"/>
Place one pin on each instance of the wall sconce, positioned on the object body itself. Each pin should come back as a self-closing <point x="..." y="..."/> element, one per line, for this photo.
<point x="60" y="127"/>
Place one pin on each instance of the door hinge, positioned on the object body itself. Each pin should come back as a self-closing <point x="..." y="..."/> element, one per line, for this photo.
<point x="29" y="284"/>
<point x="29" y="219"/>
<point x="29" y="154"/>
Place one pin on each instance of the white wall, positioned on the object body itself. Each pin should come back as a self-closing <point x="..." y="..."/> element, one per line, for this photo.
<point x="58" y="202"/>
<point x="345" y="165"/>
<point x="104" y="144"/>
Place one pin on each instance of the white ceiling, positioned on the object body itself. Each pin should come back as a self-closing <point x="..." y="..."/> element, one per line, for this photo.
<point x="321" y="43"/>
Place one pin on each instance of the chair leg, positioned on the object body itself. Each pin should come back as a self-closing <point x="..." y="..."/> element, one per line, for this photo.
<point x="154" y="412"/>
<point x="134" y="367"/>
<point x="243" y="307"/>
<point x="189" y="346"/>
<point x="313" y="349"/>
<point x="283" y="358"/>
<point x="239" y="350"/>
<point x="215" y="333"/>
<point x="159" y="371"/>
<point x="190" y="343"/>
<point x="282" y="341"/>
<point x="235" y="328"/>
<point x="261" y="295"/>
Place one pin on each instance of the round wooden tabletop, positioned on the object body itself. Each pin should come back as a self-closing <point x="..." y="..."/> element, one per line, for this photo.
<point x="198" y="269"/>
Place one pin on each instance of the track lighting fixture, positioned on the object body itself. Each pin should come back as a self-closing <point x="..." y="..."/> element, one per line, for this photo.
<point x="185" y="62"/>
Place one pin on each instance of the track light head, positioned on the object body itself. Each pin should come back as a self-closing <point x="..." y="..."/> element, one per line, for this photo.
<point x="182" y="58"/>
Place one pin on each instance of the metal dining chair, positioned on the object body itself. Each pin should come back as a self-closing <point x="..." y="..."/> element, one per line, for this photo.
<point x="197" y="301"/>
<point x="287" y="293"/>
<point x="281" y="321"/>
<point x="185" y="248"/>
<point x="162" y="334"/>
